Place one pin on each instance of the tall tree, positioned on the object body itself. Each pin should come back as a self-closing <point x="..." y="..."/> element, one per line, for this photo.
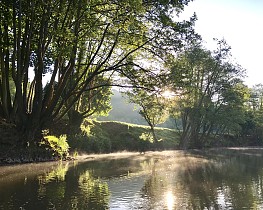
<point x="252" y="127"/>
<point x="152" y="107"/>
<point x="206" y="84"/>
<point x="80" y="43"/>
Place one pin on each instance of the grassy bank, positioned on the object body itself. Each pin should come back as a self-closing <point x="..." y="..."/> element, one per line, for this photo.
<point x="110" y="136"/>
<point x="91" y="137"/>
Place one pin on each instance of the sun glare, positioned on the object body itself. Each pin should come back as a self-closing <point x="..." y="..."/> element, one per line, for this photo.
<point x="170" y="200"/>
<point x="168" y="94"/>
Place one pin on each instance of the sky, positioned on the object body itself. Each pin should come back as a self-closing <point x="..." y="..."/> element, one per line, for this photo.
<point x="240" y="23"/>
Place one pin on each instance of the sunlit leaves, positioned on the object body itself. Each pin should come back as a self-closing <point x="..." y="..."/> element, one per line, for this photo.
<point x="210" y="92"/>
<point x="85" y="46"/>
<point x="152" y="107"/>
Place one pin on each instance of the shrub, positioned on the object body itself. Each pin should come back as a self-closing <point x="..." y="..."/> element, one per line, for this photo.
<point x="59" y="146"/>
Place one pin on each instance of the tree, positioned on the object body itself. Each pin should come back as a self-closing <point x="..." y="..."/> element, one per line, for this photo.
<point x="152" y="107"/>
<point x="80" y="43"/>
<point x="256" y="97"/>
<point x="95" y="102"/>
<point x="252" y="127"/>
<point x="208" y="89"/>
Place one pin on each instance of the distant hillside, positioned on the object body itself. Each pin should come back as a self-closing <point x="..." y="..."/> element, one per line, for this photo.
<point x="124" y="111"/>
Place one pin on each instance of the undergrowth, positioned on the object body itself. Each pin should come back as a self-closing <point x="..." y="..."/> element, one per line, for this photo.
<point x="110" y="136"/>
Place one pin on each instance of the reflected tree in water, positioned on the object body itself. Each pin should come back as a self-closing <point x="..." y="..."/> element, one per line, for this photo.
<point x="82" y="191"/>
<point x="94" y="192"/>
<point x="56" y="189"/>
<point x="211" y="179"/>
<point x="155" y="182"/>
<point x="227" y="183"/>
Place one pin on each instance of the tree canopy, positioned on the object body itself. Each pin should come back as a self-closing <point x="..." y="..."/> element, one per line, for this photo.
<point x="209" y="93"/>
<point x="152" y="107"/>
<point x="86" y="46"/>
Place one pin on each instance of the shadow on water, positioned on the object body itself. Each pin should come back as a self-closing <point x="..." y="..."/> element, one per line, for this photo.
<point x="209" y="179"/>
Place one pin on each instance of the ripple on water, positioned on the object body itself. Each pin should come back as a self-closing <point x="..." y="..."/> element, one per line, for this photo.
<point x="126" y="193"/>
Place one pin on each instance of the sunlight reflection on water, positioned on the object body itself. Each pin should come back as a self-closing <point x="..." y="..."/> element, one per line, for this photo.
<point x="212" y="179"/>
<point x="170" y="200"/>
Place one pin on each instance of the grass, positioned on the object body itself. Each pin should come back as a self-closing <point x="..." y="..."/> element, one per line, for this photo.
<point x="112" y="136"/>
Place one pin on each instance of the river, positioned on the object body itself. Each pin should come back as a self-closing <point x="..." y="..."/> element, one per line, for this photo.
<point x="209" y="179"/>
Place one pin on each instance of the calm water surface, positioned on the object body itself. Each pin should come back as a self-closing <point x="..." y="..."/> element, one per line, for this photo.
<point x="212" y="179"/>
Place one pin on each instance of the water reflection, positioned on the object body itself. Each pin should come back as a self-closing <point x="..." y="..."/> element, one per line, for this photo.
<point x="170" y="198"/>
<point x="94" y="192"/>
<point x="232" y="181"/>
<point x="56" y="188"/>
<point x="212" y="179"/>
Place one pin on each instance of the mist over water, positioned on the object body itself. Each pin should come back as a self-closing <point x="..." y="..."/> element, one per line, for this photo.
<point x="210" y="179"/>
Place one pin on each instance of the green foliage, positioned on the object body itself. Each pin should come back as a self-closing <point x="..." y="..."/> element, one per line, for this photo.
<point x="124" y="111"/>
<point x="105" y="137"/>
<point x="210" y="95"/>
<point x="252" y="127"/>
<point x="146" y="137"/>
<point x="94" y="102"/>
<point x="86" y="47"/>
<point x="58" y="173"/>
<point x="100" y="140"/>
<point x="59" y="146"/>
<point x="92" y="187"/>
<point x="91" y="139"/>
<point x="152" y="107"/>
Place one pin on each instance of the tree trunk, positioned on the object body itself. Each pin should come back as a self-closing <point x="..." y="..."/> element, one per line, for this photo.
<point x="184" y="139"/>
<point x="75" y="120"/>
<point x="155" y="140"/>
<point x="31" y="130"/>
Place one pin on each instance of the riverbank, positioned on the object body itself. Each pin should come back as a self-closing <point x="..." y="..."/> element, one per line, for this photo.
<point x="93" y="137"/>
